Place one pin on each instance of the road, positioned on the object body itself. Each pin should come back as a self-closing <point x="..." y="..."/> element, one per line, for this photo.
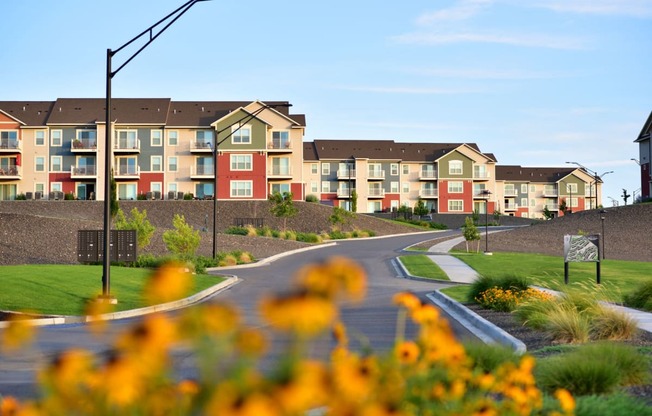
<point x="372" y="322"/>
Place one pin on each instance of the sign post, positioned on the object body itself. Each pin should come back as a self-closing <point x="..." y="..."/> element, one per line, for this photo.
<point x="582" y="248"/>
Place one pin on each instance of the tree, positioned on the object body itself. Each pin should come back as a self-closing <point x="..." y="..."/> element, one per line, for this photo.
<point x="475" y="216"/>
<point x="420" y="208"/>
<point x="563" y="207"/>
<point x="184" y="240"/>
<point x="547" y="214"/>
<point x="340" y="216"/>
<point x="625" y="195"/>
<point x="471" y="233"/>
<point x="138" y="222"/>
<point x="114" y="206"/>
<point x="354" y="201"/>
<point x="497" y="215"/>
<point x="282" y="206"/>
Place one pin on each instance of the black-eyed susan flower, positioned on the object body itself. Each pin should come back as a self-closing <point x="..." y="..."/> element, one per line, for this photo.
<point x="169" y="282"/>
<point x="566" y="401"/>
<point x="407" y="300"/>
<point x="301" y="313"/>
<point x="17" y="334"/>
<point x="407" y="352"/>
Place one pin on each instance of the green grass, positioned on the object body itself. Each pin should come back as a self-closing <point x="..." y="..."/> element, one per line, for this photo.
<point x="458" y="293"/>
<point x="421" y="265"/>
<point x="619" y="277"/>
<point x="65" y="289"/>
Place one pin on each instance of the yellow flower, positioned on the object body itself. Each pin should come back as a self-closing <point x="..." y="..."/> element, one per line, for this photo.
<point x="306" y="389"/>
<point x="425" y="314"/>
<point x="355" y="377"/>
<point x="337" y="276"/>
<point x="339" y="334"/>
<point x="18" y="333"/>
<point x="188" y="387"/>
<point x="250" y="342"/>
<point x="407" y="300"/>
<point x="94" y="310"/>
<point x="9" y="406"/>
<point x="70" y="370"/>
<point x="407" y="352"/>
<point x="228" y="401"/>
<point x="122" y="380"/>
<point x="301" y="313"/>
<point x="169" y="282"/>
<point x="215" y="319"/>
<point x="566" y="401"/>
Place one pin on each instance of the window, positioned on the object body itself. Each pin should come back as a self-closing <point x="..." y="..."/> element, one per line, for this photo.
<point x="56" y="138"/>
<point x="172" y="187"/>
<point x="155" y="187"/>
<point x="241" y="135"/>
<point x="55" y="164"/>
<point x="509" y="190"/>
<point x="240" y="189"/>
<point x="39" y="138"/>
<point x="455" y="205"/>
<point x="393" y="169"/>
<point x="172" y="163"/>
<point x="204" y="166"/>
<point x="533" y="188"/>
<point x="325" y="187"/>
<point x="280" y="188"/>
<point x="533" y="202"/>
<point x="9" y="139"/>
<point x="406" y="169"/>
<point x="314" y="187"/>
<point x="55" y="187"/>
<point x="406" y="187"/>
<point x="314" y="168"/>
<point x="376" y="170"/>
<point x="127" y="166"/>
<point x="127" y="139"/>
<point x="157" y="163"/>
<point x="204" y="190"/>
<point x="39" y="187"/>
<point x="524" y="188"/>
<point x="157" y="138"/>
<point x="455" y="167"/>
<point x="325" y="169"/>
<point x="203" y="139"/>
<point x="393" y="187"/>
<point x="86" y="165"/>
<point x="173" y="138"/>
<point x="281" y="166"/>
<point x="571" y="187"/>
<point x="240" y="162"/>
<point x="524" y="202"/>
<point x="455" y="187"/>
<point x="127" y="191"/>
<point x="8" y="192"/>
<point x="480" y="172"/>
<point x="39" y="164"/>
<point x="280" y="139"/>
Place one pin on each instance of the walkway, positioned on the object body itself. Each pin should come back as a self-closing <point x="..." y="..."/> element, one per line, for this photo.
<point x="459" y="272"/>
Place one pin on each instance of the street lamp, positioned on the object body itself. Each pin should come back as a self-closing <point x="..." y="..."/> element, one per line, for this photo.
<point x="108" y="151"/>
<point x="602" y="212"/>
<point x="596" y="178"/>
<point x="241" y="122"/>
<point x="486" y="193"/>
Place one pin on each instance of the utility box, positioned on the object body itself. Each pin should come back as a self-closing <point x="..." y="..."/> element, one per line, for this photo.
<point x="122" y="246"/>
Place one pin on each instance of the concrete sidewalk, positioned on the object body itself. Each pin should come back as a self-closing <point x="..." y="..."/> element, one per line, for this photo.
<point x="459" y="272"/>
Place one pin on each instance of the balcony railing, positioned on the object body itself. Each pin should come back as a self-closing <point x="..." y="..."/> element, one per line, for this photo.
<point x="345" y="193"/>
<point x="127" y="172"/>
<point x="83" y="171"/>
<point x="11" y="145"/>
<point x="550" y="192"/>
<point x="279" y="145"/>
<point x="280" y="171"/>
<point x="377" y="174"/>
<point x="10" y="172"/>
<point x="427" y="174"/>
<point x="481" y="175"/>
<point x="510" y="192"/>
<point x="127" y="145"/>
<point x="511" y="207"/>
<point x="429" y="193"/>
<point x="202" y="146"/>
<point x="551" y="207"/>
<point x="83" y="145"/>
<point x="202" y="171"/>
<point x="346" y="173"/>
<point x="376" y="193"/>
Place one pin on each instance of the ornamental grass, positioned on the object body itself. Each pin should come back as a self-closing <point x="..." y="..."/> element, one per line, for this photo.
<point x="430" y="374"/>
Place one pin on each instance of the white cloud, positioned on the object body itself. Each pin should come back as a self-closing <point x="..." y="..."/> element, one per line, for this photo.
<point x="411" y="90"/>
<point x="463" y="10"/>
<point x="507" y="74"/>
<point x="634" y="8"/>
<point x="526" y="40"/>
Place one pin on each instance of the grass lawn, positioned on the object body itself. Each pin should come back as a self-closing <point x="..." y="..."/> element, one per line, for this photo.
<point x="618" y="277"/>
<point x="65" y="289"/>
<point x="457" y="293"/>
<point x="420" y="265"/>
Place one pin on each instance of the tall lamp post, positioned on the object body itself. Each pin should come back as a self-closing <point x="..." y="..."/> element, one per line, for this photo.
<point x="596" y="178"/>
<point x="240" y="122"/>
<point x="602" y="218"/>
<point x="154" y="32"/>
<point x="486" y="193"/>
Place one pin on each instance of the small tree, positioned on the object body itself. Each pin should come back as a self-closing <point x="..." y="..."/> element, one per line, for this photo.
<point x="547" y="214"/>
<point x="497" y="214"/>
<point x="184" y="240"/>
<point x="563" y="207"/>
<point x="625" y="195"/>
<point x="138" y="222"/>
<point x="282" y="206"/>
<point x="420" y="208"/>
<point x="114" y="205"/>
<point x="471" y="233"/>
<point x="475" y="216"/>
<point x="354" y="201"/>
<point x="405" y="210"/>
<point x="340" y="216"/>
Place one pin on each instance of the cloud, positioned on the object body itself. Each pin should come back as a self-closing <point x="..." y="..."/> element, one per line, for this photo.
<point x="634" y="8"/>
<point x="463" y="10"/>
<point x="489" y="74"/>
<point x="412" y="90"/>
<point x="525" y="40"/>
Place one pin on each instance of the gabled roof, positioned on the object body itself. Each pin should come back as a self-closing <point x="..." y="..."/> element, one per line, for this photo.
<point x="517" y="173"/>
<point x="86" y="111"/>
<point x="204" y="113"/>
<point x="28" y="113"/>
<point x="645" y="131"/>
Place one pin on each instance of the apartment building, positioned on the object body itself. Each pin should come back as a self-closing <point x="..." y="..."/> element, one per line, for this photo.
<point x="161" y="149"/>
<point x="645" y="158"/>
<point x="530" y="191"/>
<point x="384" y="174"/>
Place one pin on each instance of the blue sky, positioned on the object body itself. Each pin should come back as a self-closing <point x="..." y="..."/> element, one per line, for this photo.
<point x="536" y="82"/>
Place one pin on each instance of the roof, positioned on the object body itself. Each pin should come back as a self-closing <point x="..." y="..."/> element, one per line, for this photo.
<point x="645" y="131"/>
<point x="30" y="113"/>
<point x="203" y="113"/>
<point x="323" y="149"/>
<point x="123" y="111"/>
<point x="517" y="173"/>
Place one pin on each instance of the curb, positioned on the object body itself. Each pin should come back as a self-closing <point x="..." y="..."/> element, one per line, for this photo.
<point x="480" y="327"/>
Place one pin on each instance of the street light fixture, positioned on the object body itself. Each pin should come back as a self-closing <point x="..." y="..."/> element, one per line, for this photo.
<point x="153" y="33"/>
<point x="596" y="178"/>
<point x="486" y="193"/>
<point x="241" y="123"/>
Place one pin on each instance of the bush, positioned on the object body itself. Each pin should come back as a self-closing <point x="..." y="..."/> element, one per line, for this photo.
<point x="309" y="238"/>
<point x="641" y="297"/>
<point x="567" y="325"/>
<point x="505" y="282"/>
<point x="611" y="324"/>
<point x="21" y="197"/>
<point x="138" y="222"/>
<point x="506" y="300"/>
<point x="618" y="404"/>
<point x="312" y="198"/>
<point x="488" y="358"/>
<point x="184" y="240"/>
<point x="237" y="231"/>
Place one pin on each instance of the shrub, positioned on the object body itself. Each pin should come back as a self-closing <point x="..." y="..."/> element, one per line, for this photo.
<point x="228" y="260"/>
<point x="308" y="238"/>
<point x="188" y="197"/>
<point x="184" y="240"/>
<point x="138" y="221"/>
<point x="312" y="198"/>
<point x="611" y="324"/>
<point x="245" y="258"/>
<point x="566" y="324"/>
<point x="506" y="300"/>
<point x="641" y="297"/>
<point x="504" y="282"/>
<point x="618" y="404"/>
<point x="237" y="230"/>
<point x="251" y="230"/>
<point x="534" y="313"/>
<point x="488" y="358"/>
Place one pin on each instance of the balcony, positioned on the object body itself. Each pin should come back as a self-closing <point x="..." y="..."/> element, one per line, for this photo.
<point x="344" y="193"/>
<point x="482" y="175"/>
<point x="510" y="192"/>
<point x="427" y="175"/>
<point x="376" y="175"/>
<point x="127" y="173"/>
<point x="428" y="193"/>
<point x="83" y="172"/>
<point x="83" y="146"/>
<point x="10" y="173"/>
<point x="202" y="172"/>
<point x="345" y="174"/>
<point x="376" y="193"/>
<point x="551" y="207"/>
<point x="201" y="146"/>
<point x="280" y="172"/>
<point x="127" y="146"/>
<point x="550" y="193"/>
<point x="511" y="207"/>
<point x="279" y="146"/>
<point x="10" y="146"/>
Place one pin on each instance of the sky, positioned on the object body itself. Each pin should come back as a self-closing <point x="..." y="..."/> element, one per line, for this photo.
<point x="535" y="82"/>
